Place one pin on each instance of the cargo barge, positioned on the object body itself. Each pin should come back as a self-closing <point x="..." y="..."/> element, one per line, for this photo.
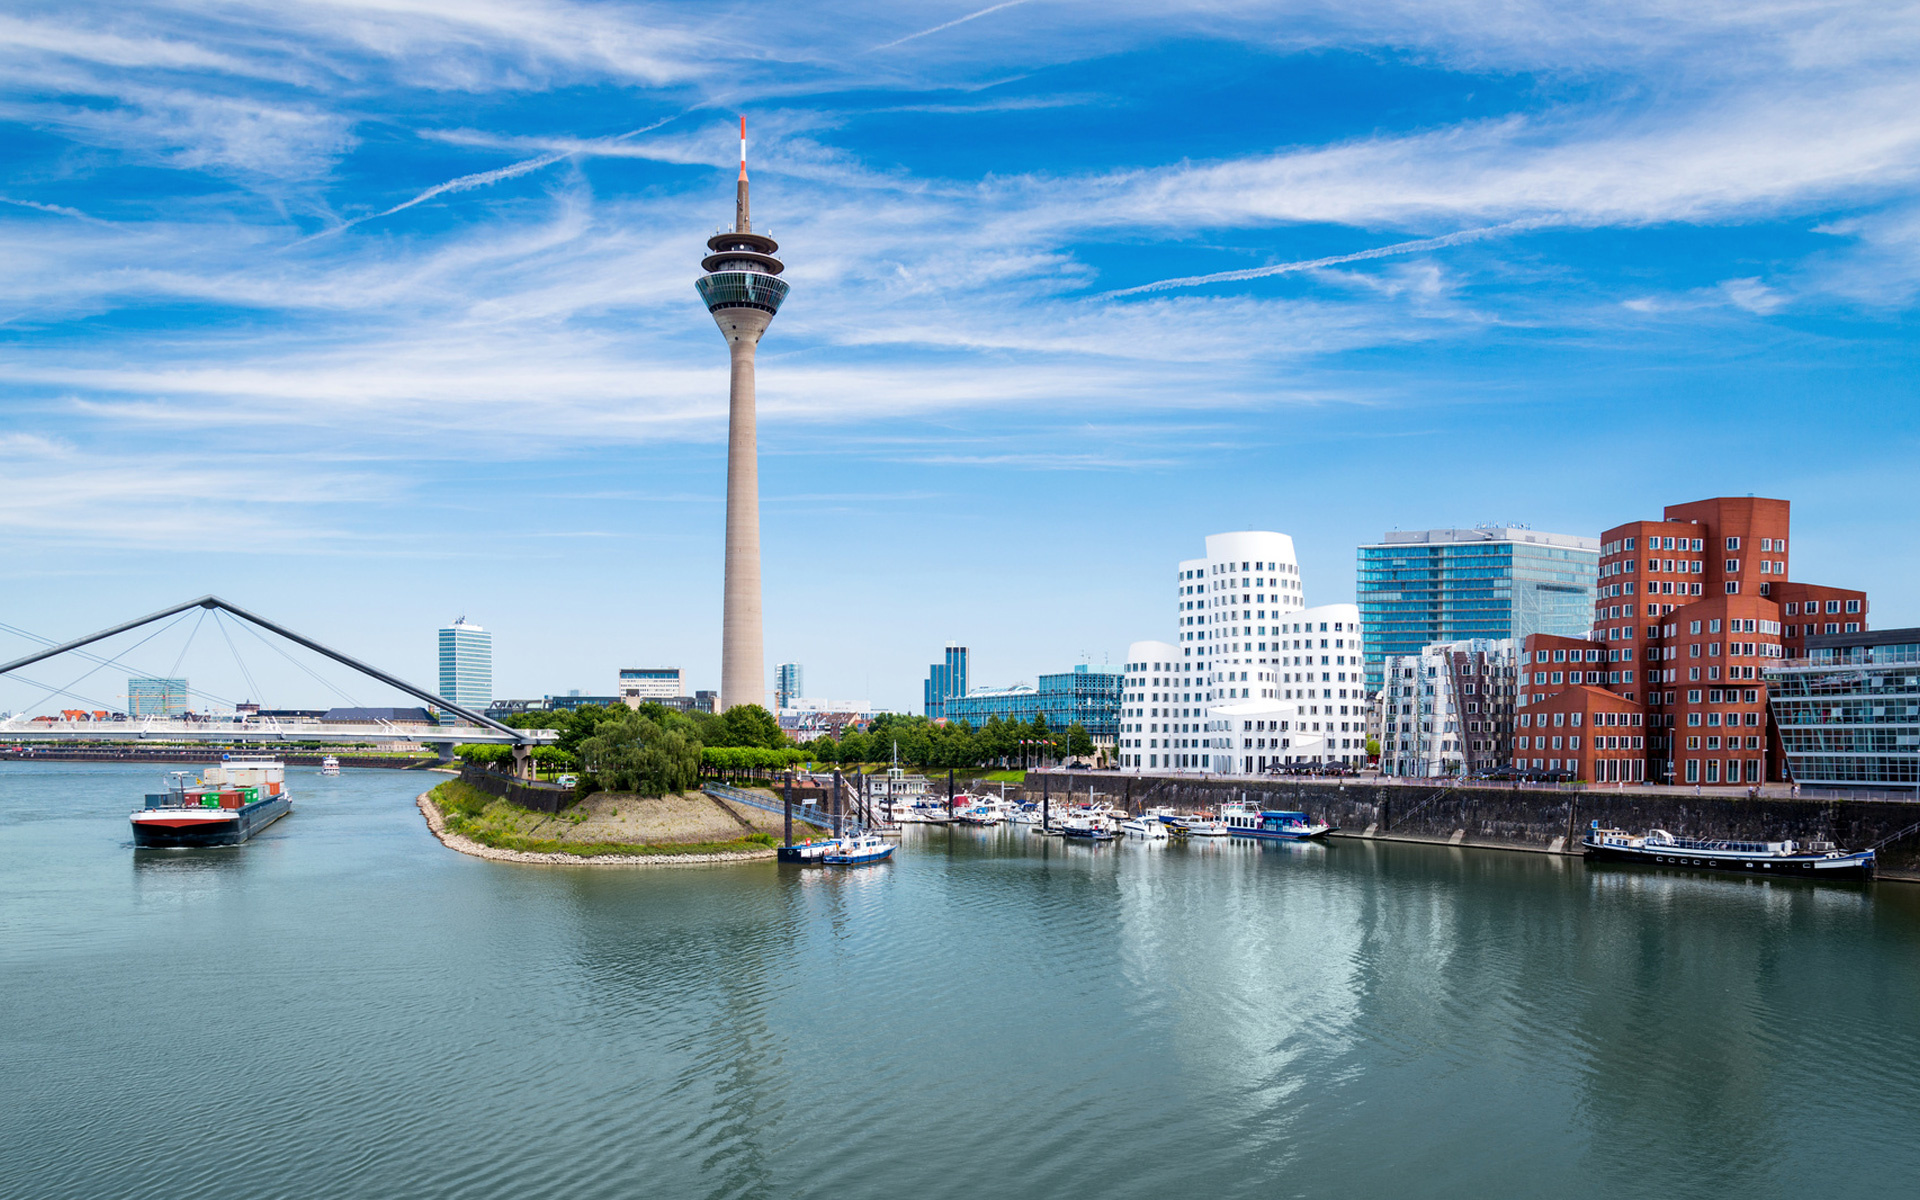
<point x="225" y="807"/>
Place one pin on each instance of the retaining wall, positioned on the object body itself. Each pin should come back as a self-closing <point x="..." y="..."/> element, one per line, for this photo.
<point x="1541" y="820"/>
<point x="540" y="797"/>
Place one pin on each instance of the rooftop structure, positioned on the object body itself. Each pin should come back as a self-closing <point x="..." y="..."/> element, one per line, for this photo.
<point x="742" y="290"/>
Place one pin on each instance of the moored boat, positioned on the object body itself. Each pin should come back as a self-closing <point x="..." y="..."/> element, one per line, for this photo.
<point x="225" y="807"/>
<point x="856" y="851"/>
<point x="1815" y="860"/>
<point x="1275" y="826"/>
<point x="1148" y="828"/>
<point x="812" y="852"/>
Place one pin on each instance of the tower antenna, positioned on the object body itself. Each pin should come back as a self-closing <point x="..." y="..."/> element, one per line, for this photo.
<point x="740" y="222"/>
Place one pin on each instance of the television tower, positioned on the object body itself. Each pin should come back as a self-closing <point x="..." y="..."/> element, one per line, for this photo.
<point x="742" y="292"/>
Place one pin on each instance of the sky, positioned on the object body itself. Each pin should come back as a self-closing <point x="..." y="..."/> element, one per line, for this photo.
<point x="369" y="314"/>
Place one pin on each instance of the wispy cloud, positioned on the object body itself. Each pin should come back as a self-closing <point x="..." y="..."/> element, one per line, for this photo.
<point x="946" y="25"/>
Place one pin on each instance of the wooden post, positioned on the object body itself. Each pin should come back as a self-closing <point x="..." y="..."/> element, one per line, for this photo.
<point x="789" y="812"/>
<point x="949" y="793"/>
<point x="836" y="804"/>
<point x="1046" y="803"/>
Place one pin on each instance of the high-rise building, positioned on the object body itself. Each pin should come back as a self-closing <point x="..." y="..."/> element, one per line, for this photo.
<point x="1448" y="708"/>
<point x="641" y="684"/>
<point x="157" y="697"/>
<point x="742" y="291"/>
<point x="787" y="686"/>
<point x="466" y="668"/>
<point x="945" y="680"/>
<point x="1257" y="679"/>
<point x="1670" y="685"/>
<point x="1423" y="587"/>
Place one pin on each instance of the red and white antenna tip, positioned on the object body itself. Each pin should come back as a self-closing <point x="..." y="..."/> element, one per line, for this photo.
<point x="743" y="147"/>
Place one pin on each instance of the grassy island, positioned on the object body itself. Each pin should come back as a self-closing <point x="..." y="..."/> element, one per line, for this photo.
<point x="608" y="824"/>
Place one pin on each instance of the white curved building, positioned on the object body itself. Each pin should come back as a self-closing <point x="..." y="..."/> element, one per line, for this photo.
<point x="1254" y="679"/>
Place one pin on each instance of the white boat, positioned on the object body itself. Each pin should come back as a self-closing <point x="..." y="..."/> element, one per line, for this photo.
<point x="1200" y="827"/>
<point x="1275" y="826"/>
<point x="856" y="851"/>
<point x="1149" y="828"/>
<point x="329" y="765"/>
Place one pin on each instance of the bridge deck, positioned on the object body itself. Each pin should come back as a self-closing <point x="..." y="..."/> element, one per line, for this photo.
<point x="255" y="731"/>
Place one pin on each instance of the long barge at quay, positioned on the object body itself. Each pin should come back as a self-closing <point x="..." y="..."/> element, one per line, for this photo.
<point x="1784" y="858"/>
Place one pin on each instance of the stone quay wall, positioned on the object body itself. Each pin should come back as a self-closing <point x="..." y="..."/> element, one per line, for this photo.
<point x="540" y="797"/>
<point x="1543" y="820"/>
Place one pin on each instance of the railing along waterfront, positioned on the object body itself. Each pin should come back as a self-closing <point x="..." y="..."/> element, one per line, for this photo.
<point x="809" y="813"/>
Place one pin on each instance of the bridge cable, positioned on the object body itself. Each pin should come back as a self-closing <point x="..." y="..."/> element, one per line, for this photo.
<point x="118" y="660"/>
<point x="221" y="623"/>
<point x="67" y="691"/>
<point x="315" y="676"/>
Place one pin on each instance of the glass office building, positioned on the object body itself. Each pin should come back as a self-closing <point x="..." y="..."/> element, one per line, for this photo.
<point x="466" y="668"/>
<point x="788" y="685"/>
<point x="156" y="697"/>
<point x="1089" y="695"/>
<point x="945" y="680"/>
<point x="1848" y="713"/>
<point x="1451" y="585"/>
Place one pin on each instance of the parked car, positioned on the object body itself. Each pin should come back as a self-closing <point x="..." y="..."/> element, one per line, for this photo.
<point x="567" y="781"/>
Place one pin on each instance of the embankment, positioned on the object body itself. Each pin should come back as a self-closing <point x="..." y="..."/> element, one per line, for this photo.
<point x="1501" y="818"/>
<point x="606" y="829"/>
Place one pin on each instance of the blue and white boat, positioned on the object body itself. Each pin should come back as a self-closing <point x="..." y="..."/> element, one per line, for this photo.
<point x="856" y="851"/>
<point x="1274" y="826"/>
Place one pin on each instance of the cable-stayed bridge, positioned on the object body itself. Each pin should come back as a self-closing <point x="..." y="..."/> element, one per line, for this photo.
<point x="479" y="727"/>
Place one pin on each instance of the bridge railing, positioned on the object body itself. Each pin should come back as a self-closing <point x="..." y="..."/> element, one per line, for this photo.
<point x="811" y="814"/>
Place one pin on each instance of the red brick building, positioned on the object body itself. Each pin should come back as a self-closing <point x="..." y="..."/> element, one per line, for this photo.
<point x="1690" y="608"/>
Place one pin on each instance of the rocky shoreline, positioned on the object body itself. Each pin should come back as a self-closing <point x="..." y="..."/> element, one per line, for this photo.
<point x="465" y="845"/>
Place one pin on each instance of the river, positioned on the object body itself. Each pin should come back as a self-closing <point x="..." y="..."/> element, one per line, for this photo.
<point x="345" y="1008"/>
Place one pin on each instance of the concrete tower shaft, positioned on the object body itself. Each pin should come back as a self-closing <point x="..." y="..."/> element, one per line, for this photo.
<point x="742" y="291"/>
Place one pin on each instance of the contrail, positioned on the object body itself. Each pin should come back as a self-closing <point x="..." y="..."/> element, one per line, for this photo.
<point x="481" y="179"/>
<point x="57" y="209"/>
<point x="1433" y="243"/>
<point x="992" y="8"/>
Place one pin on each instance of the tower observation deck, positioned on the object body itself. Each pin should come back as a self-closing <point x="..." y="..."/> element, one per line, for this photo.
<point x="742" y="289"/>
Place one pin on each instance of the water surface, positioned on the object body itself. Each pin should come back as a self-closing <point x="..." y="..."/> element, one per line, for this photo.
<point x="344" y="1007"/>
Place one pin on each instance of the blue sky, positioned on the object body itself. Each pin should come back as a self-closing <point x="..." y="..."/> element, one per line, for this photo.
<point x="372" y="313"/>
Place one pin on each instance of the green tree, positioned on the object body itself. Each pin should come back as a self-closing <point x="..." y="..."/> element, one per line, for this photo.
<point x="748" y="725"/>
<point x="628" y="752"/>
<point x="1079" y="741"/>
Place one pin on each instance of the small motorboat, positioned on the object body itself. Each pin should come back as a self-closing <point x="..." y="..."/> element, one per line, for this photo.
<point x="857" y="851"/>
<point x="1086" y="829"/>
<point x="1150" y="828"/>
<point x="1200" y="827"/>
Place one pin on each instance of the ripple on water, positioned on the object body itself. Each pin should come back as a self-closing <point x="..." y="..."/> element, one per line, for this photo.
<point x="349" y="1009"/>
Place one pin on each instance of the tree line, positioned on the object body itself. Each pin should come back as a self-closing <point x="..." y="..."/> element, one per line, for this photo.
<point x="653" y="750"/>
